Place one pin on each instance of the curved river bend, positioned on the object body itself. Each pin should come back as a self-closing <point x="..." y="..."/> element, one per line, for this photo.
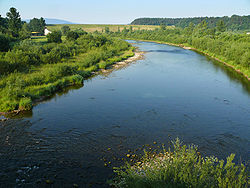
<point x="171" y="93"/>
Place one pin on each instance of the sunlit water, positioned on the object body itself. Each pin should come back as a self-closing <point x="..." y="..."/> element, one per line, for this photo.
<point x="171" y="93"/>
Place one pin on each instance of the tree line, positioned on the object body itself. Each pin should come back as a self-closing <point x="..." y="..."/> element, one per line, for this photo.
<point x="12" y="28"/>
<point x="233" y="23"/>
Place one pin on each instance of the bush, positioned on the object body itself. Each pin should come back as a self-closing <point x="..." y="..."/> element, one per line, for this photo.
<point x="71" y="35"/>
<point x="65" y="29"/>
<point x="8" y="105"/>
<point x="183" y="167"/>
<point x="55" y="36"/>
<point x="25" y="104"/>
<point x="4" y="43"/>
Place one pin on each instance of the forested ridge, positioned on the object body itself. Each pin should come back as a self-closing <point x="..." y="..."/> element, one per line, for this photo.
<point x="234" y="22"/>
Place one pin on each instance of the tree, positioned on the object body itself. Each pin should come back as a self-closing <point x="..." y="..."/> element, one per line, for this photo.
<point x="221" y="26"/>
<point x="163" y="26"/>
<point x="80" y="32"/>
<point x="125" y="30"/>
<point x="3" y="24"/>
<point x="189" y="30"/>
<point x="130" y="29"/>
<point x="4" y="43"/>
<point x="55" y="36"/>
<point x="107" y="30"/>
<point x="72" y="35"/>
<point x="14" y="22"/>
<point x="37" y="25"/>
<point x="201" y="29"/>
<point x="25" y="32"/>
<point x="211" y="32"/>
<point x="65" y="29"/>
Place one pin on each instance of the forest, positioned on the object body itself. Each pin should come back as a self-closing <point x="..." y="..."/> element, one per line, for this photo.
<point x="233" y="23"/>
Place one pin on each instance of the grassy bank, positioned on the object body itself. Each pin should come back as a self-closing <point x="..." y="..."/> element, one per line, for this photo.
<point x="35" y="69"/>
<point x="183" y="166"/>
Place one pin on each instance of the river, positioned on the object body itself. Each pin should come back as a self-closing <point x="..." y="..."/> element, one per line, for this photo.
<point x="171" y="93"/>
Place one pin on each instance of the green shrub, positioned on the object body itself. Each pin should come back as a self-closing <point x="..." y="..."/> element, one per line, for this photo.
<point x="4" y="43"/>
<point x="72" y="35"/>
<point x="102" y="65"/>
<point x="8" y="105"/>
<point x="65" y="29"/>
<point x="182" y="167"/>
<point x="25" y="104"/>
<point x="55" y="36"/>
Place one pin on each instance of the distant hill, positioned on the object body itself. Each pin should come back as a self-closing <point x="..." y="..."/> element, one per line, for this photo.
<point x="234" y="22"/>
<point x="53" y="21"/>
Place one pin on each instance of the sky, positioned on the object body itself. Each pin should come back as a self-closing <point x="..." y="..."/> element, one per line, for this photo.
<point x="123" y="11"/>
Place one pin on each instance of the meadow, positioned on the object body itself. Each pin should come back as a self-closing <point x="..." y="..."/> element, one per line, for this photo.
<point x="101" y="27"/>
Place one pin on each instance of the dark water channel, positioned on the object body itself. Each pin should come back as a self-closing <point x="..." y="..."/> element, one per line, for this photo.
<point x="171" y="93"/>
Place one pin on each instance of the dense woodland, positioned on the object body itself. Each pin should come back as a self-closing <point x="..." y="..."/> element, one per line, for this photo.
<point x="233" y="23"/>
<point x="230" y="47"/>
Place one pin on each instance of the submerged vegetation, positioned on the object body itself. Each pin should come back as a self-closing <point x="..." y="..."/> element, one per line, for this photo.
<point x="181" y="167"/>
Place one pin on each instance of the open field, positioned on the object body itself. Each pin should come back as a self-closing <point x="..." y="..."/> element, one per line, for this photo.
<point x="101" y="27"/>
<point x="43" y="39"/>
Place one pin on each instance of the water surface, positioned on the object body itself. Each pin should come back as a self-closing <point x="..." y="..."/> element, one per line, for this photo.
<point x="171" y="93"/>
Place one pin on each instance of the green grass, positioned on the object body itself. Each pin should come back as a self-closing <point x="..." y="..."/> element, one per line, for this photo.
<point x="182" y="167"/>
<point x="43" y="39"/>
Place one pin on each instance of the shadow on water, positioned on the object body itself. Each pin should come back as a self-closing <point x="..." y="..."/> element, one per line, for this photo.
<point x="231" y="73"/>
<point x="58" y="94"/>
<point x="175" y="51"/>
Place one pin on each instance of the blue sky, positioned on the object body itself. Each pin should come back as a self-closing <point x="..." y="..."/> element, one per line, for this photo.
<point x="123" y="11"/>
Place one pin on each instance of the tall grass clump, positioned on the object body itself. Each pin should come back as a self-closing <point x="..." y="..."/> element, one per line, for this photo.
<point x="182" y="167"/>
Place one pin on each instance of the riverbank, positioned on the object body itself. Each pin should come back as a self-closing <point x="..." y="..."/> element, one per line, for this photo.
<point x="183" y="166"/>
<point x="118" y="65"/>
<point x="200" y="51"/>
<point x="111" y="64"/>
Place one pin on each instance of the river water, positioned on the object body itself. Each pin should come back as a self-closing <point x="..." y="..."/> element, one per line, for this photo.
<point x="171" y="93"/>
